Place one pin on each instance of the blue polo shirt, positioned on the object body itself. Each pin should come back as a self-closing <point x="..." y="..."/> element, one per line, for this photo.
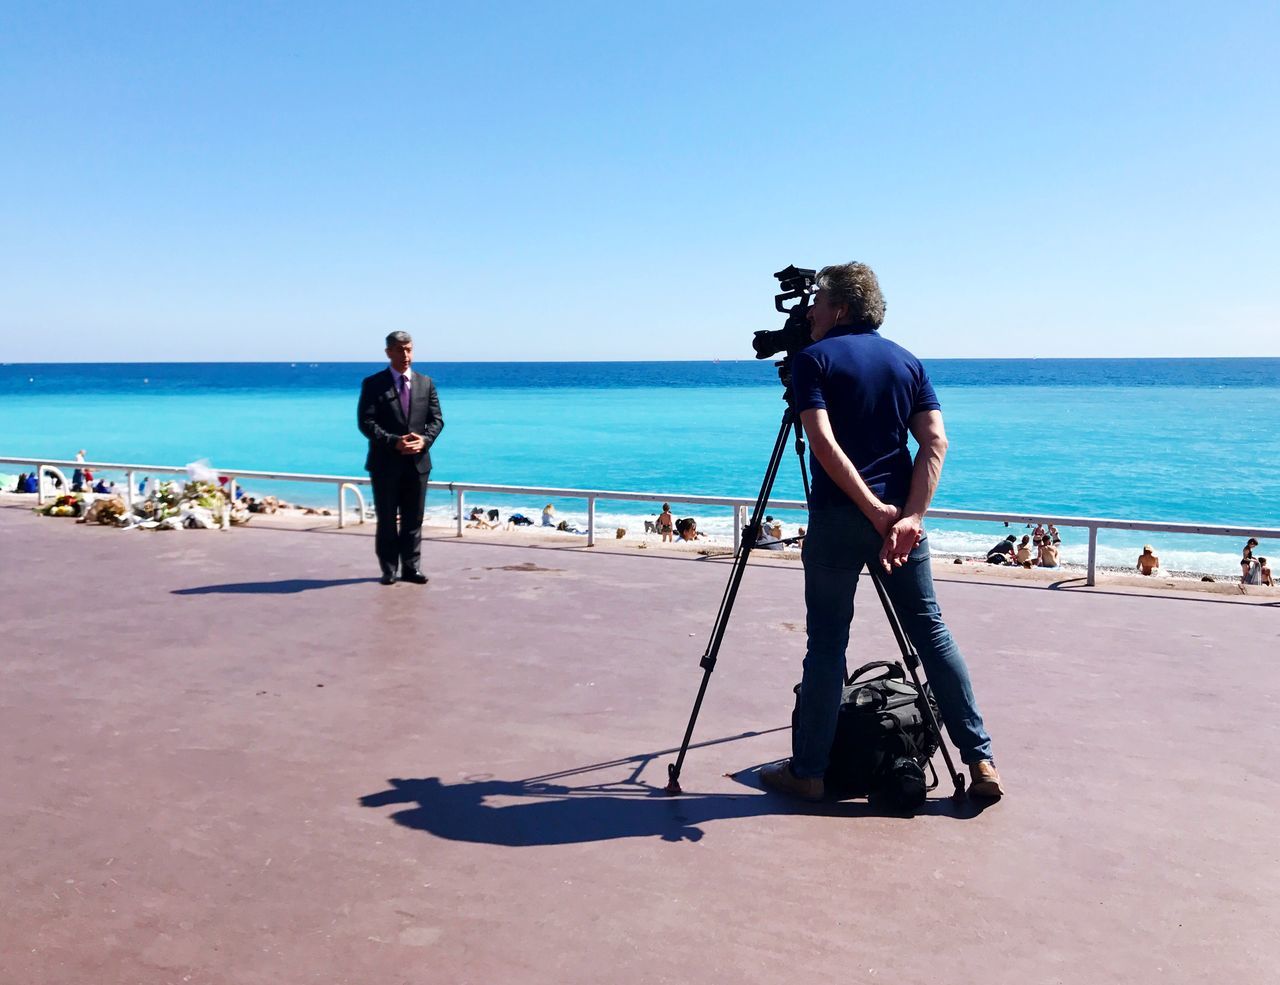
<point x="871" y="388"/>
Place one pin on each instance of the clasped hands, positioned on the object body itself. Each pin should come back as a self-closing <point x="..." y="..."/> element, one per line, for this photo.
<point x="901" y="534"/>
<point x="411" y="444"/>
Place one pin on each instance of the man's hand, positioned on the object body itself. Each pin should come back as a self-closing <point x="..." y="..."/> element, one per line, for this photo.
<point x="410" y="444"/>
<point x="884" y="517"/>
<point x="901" y="540"/>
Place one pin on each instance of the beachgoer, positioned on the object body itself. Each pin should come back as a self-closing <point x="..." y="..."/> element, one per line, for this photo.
<point x="1053" y="534"/>
<point x="687" y="529"/>
<point x="1264" y="572"/>
<point x="32" y="484"/>
<point x="1148" y="563"/>
<point x="1023" y="556"/>
<point x="101" y="486"/>
<point x="478" y="521"/>
<point x="666" y="523"/>
<point x="1039" y="531"/>
<point x="1048" y="557"/>
<point x="21" y="485"/>
<point x="1250" y="570"/>
<point x="549" y="516"/>
<point x="399" y="413"/>
<point x="1003" y="552"/>
<point x="859" y="396"/>
<point x="773" y="528"/>
<point x="518" y="520"/>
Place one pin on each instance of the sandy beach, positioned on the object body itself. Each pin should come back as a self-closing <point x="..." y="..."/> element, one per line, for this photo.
<point x="945" y="565"/>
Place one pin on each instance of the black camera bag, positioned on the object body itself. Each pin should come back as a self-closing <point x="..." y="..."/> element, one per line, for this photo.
<point x="883" y="737"/>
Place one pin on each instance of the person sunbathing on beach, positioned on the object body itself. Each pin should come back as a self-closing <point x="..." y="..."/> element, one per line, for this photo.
<point x="477" y="520"/>
<point x="1023" y="555"/>
<point x="687" y="529"/>
<point x="1048" y="557"/>
<point x="1264" y="572"/>
<point x="770" y="538"/>
<point x="518" y="520"/>
<point x="1002" y="553"/>
<point x="1148" y="563"/>
<point x="549" y="516"/>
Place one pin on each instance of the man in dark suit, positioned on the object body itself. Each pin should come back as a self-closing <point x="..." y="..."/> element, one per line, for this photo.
<point x="400" y="415"/>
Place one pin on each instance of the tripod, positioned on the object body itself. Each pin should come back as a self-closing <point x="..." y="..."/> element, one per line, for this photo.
<point x="752" y="533"/>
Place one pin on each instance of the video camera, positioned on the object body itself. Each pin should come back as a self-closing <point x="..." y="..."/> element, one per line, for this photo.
<point x="796" y="283"/>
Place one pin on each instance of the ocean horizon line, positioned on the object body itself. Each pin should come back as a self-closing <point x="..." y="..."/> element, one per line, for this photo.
<point x="303" y="360"/>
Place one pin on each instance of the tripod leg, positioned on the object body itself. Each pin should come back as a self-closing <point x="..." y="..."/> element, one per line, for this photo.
<point x="912" y="660"/>
<point x="708" y="661"/>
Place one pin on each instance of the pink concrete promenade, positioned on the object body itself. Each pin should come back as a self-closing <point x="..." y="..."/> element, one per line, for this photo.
<point x="235" y="758"/>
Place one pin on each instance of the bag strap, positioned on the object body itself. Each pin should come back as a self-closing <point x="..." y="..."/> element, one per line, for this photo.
<point x="892" y="669"/>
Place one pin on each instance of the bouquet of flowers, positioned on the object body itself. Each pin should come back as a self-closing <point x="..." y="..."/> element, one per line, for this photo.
<point x="71" y="504"/>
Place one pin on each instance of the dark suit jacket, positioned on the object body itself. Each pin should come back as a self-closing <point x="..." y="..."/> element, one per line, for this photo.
<point x="382" y="421"/>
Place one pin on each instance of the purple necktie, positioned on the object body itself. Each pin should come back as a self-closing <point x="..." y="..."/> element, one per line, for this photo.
<point x="404" y="396"/>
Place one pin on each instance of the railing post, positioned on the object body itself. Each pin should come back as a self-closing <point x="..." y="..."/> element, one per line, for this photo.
<point x="1091" y="576"/>
<point x="342" y="513"/>
<point x="591" y="521"/>
<point x="458" y="503"/>
<point x="128" y="489"/>
<point x="39" y="483"/>
<point x="737" y="527"/>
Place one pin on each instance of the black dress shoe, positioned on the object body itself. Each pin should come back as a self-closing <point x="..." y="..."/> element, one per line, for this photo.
<point x="415" y="576"/>
<point x="388" y="579"/>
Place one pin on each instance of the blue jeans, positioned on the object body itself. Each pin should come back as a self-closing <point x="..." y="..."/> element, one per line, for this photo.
<point x="839" y="543"/>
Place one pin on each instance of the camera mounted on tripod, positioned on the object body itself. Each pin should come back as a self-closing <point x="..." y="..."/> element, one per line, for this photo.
<point x="796" y="284"/>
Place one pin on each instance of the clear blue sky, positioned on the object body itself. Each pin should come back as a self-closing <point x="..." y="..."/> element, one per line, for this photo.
<point x="618" y="181"/>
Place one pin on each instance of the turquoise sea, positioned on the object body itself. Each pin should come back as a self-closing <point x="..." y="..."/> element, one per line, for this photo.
<point x="1182" y="440"/>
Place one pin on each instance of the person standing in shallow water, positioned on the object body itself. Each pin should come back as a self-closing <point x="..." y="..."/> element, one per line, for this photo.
<point x="399" y="413"/>
<point x="859" y="395"/>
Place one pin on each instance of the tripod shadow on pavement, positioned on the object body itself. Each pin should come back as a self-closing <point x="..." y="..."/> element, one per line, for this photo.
<point x="537" y="811"/>
<point x="286" y="586"/>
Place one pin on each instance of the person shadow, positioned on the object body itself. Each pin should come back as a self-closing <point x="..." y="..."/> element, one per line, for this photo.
<point x="285" y="586"/>
<point x="538" y="811"/>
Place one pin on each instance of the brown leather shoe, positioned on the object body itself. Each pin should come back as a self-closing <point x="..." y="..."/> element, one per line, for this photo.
<point x="778" y="776"/>
<point x="984" y="780"/>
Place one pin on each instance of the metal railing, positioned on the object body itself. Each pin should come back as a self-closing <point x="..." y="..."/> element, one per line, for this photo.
<point x="458" y="490"/>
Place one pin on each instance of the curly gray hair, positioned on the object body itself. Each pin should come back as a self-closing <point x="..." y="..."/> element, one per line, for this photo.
<point x="854" y="285"/>
<point x="399" y="338"/>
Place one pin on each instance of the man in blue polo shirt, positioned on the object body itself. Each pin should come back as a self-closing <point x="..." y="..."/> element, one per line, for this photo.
<point x="859" y="395"/>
